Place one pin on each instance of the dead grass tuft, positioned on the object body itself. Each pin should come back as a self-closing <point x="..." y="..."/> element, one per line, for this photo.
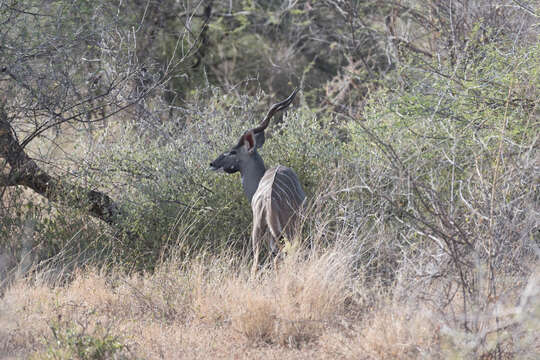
<point x="289" y="306"/>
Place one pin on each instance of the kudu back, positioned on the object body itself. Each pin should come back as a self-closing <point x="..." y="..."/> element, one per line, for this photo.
<point x="276" y="195"/>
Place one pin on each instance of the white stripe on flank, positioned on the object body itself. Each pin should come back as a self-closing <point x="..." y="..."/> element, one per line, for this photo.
<point x="277" y="199"/>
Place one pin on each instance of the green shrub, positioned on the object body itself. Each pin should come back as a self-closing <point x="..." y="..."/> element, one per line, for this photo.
<point x="171" y="196"/>
<point x="450" y="155"/>
<point x="71" y="341"/>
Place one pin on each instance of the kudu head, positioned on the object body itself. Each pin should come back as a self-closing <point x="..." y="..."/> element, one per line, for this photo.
<point x="245" y="151"/>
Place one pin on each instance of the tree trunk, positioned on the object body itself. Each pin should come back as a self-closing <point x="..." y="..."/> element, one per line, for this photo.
<point x="25" y="171"/>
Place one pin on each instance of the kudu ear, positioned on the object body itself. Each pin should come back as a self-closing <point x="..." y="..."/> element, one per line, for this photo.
<point x="250" y="141"/>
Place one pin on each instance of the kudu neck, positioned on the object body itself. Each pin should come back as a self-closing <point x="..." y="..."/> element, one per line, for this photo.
<point x="252" y="172"/>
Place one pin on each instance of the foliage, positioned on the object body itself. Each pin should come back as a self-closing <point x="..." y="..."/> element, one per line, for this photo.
<point x="167" y="186"/>
<point x="452" y="145"/>
<point x="76" y="342"/>
<point x="442" y="117"/>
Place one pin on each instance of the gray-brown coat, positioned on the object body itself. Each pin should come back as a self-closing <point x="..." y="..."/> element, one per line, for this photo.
<point x="275" y="205"/>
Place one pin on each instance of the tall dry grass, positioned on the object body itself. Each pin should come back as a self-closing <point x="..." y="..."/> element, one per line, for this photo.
<point x="316" y="304"/>
<point x="348" y="290"/>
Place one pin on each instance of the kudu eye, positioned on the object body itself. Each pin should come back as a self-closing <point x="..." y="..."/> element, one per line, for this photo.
<point x="232" y="152"/>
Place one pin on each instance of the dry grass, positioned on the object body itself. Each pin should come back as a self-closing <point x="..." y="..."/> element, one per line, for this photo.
<point x="314" y="306"/>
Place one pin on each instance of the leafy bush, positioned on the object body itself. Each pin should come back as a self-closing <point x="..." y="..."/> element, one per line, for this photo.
<point x="72" y="341"/>
<point x="451" y="156"/>
<point x="169" y="192"/>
